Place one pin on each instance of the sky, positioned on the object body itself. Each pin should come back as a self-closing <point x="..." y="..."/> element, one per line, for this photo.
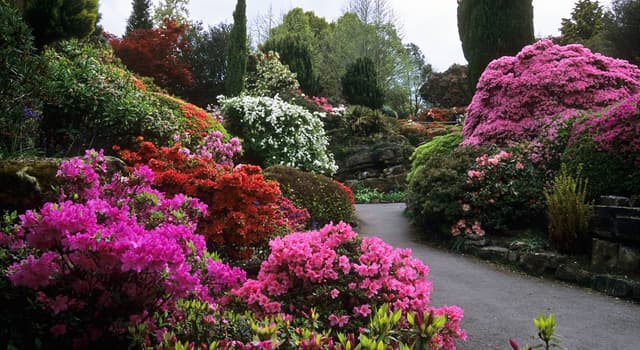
<point x="431" y="24"/>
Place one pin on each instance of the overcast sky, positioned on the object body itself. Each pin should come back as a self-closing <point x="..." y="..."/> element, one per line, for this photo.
<point x="431" y="24"/>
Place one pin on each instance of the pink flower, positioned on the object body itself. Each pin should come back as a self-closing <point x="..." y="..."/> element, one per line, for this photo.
<point x="519" y="166"/>
<point x="339" y="321"/>
<point x="493" y="161"/>
<point x="362" y="310"/>
<point x="334" y="293"/>
<point x="58" y="330"/>
<point x="474" y="173"/>
<point x="466" y="207"/>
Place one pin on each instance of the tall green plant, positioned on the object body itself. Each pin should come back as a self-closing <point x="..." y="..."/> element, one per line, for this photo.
<point x="296" y="54"/>
<point x="568" y="211"/>
<point x="493" y="28"/>
<point x="360" y="84"/>
<point x="237" y="52"/>
<point x="55" y="20"/>
<point x="140" y="17"/>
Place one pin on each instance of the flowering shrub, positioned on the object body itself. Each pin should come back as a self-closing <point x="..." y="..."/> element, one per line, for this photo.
<point x="191" y="119"/>
<point x="107" y="256"/>
<point x="502" y="191"/>
<point x="344" y="277"/>
<point x="517" y="95"/>
<point x="277" y="133"/>
<point x="441" y="114"/>
<point x="244" y="210"/>
<point x="327" y="200"/>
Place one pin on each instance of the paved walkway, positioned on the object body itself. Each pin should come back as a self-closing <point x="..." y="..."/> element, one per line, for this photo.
<point x="500" y="304"/>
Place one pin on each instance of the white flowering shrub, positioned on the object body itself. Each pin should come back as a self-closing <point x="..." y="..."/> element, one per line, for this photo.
<point x="278" y="133"/>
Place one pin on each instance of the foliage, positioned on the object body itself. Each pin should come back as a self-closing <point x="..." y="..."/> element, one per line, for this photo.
<point x="109" y="254"/>
<point x="367" y="195"/>
<point x="56" y="20"/>
<point x="296" y="55"/>
<point x="278" y="133"/>
<point x="440" y="145"/>
<point x="448" y="89"/>
<point x="156" y="53"/>
<point x="502" y="191"/>
<point x="344" y="278"/>
<point x="585" y="23"/>
<point x="621" y="30"/>
<point x="364" y="122"/>
<point x="207" y="61"/>
<point x="517" y="95"/>
<point x="237" y="51"/>
<point x="568" y="212"/>
<point x="174" y="10"/>
<point x="360" y="85"/>
<point x="435" y="190"/>
<point x="140" y="17"/>
<point x="546" y="326"/>
<point x="91" y="102"/>
<point x="327" y="200"/>
<point x="20" y="79"/>
<point x="244" y="210"/>
<point x="490" y="29"/>
<point x="268" y="77"/>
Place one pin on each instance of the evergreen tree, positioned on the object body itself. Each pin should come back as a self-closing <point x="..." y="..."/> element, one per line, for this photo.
<point x="175" y="10"/>
<point x="296" y="54"/>
<point x="585" y="23"/>
<point x="140" y="16"/>
<point x="54" y="20"/>
<point x="493" y="28"/>
<point x="237" y="52"/>
<point x="360" y="84"/>
<point x="622" y="30"/>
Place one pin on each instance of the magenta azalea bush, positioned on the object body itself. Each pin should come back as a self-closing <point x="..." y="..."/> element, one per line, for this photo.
<point x="107" y="256"/>
<point x="344" y="278"/>
<point x="517" y="95"/>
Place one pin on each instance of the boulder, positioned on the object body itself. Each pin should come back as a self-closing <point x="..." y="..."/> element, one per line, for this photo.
<point x="628" y="259"/>
<point x="538" y="263"/>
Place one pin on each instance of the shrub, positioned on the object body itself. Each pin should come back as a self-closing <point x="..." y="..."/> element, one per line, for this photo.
<point x="326" y="200"/>
<point x="268" y="77"/>
<point x="343" y="277"/>
<point x="20" y="79"/>
<point x="568" y="212"/>
<point x="360" y="84"/>
<point x="517" y="95"/>
<point x="365" y="122"/>
<point x="435" y="190"/>
<point x="448" y="89"/>
<point x="277" y="133"/>
<point x="502" y="191"/>
<point x="443" y="144"/>
<point x="244" y="210"/>
<point x="107" y="255"/>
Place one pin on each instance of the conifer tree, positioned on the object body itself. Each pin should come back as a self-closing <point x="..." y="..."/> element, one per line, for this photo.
<point x="54" y="20"/>
<point x="493" y="28"/>
<point x="296" y="54"/>
<point x="140" y="16"/>
<point x="237" y="52"/>
<point x="360" y="84"/>
<point x="585" y="23"/>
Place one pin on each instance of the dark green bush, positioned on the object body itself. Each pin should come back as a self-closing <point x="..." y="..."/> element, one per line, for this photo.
<point x="609" y="173"/>
<point x="326" y="199"/>
<point x="360" y="84"/>
<point x="435" y="190"/>
<point x="364" y="121"/>
<point x="90" y="102"/>
<point x="20" y="77"/>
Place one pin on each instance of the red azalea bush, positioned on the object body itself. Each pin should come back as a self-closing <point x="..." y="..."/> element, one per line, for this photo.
<point x="107" y="256"/>
<point x="244" y="210"/>
<point x="517" y="95"/>
<point x="503" y="191"/>
<point x="344" y="278"/>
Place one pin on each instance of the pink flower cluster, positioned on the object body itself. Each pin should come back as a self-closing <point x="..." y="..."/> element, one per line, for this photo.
<point x="341" y="275"/>
<point x="212" y="147"/>
<point x="114" y="255"/>
<point x="518" y="95"/>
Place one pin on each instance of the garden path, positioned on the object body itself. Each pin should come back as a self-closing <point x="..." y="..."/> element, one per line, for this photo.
<point x="499" y="304"/>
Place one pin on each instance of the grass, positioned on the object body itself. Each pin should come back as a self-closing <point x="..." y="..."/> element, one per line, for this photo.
<point x="365" y="195"/>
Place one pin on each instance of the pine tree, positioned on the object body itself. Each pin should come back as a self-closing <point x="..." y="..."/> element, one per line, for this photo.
<point x="360" y="84"/>
<point x="54" y="20"/>
<point x="493" y="28"/>
<point x="140" y="16"/>
<point x="585" y="23"/>
<point x="296" y="54"/>
<point x="237" y="52"/>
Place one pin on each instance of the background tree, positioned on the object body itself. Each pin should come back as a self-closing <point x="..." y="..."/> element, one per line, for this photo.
<point x="54" y="20"/>
<point x="449" y="88"/>
<point x="493" y="28"/>
<point x="585" y="23"/>
<point x="140" y="17"/>
<point x="157" y="53"/>
<point x="360" y="84"/>
<point x="176" y="10"/>
<point x="296" y="54"/>
<point x="621" y="30"/>
<point x="237" y="51"/>
<point x="207" y="59"/>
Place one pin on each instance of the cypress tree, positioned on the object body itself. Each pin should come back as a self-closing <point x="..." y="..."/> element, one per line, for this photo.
<point x="140" y="16"/>
<point x="493" y="28"/>
<point x="237" y="52"/>
<point x="296" y="54"/>
<point x="54" y="20"/>
<point x="360" y="84"/>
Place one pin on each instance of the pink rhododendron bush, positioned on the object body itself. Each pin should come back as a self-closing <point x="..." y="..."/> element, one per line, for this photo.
<point x="344" y="278"/>
<point x="517" y="95"/>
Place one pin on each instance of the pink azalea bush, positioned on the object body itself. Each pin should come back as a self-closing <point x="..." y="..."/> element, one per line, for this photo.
<point x="502" y="191"/>
<point x="344" y="278"/>
<point x="516" y="96"/>
<point x="109" y="255"/>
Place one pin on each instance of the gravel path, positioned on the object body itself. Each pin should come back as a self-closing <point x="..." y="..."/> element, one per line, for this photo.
<point x="499" y="303"/>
